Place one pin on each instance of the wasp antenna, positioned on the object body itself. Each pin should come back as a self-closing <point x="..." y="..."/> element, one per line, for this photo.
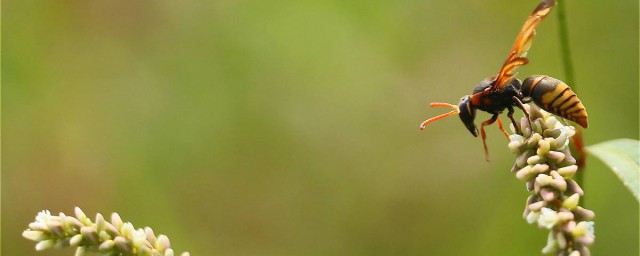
<point x="440" y="104"/>
<point x="436" y="118"/>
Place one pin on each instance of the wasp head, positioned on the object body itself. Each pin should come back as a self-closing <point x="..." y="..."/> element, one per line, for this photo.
<point x="464" y="109"/>
<point x="468" y="114"/>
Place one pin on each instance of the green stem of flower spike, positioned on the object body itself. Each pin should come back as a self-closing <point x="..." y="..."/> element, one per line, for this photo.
<point x="564" y="44"/>
<point x="569" y="78"/>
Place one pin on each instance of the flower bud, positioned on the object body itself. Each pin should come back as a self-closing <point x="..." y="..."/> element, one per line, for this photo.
<point x="551" y="121"/>
<point x="561" y="240"/>
<point x="100" y="222"/>
<point x="571" y="202"/>
<point x="515" y="145"/>
<point x="39" y="226"/>
<point x="583" y="214"/>
<point x="151" y="237"/>
<point x="533" y="141"/>
<point x="521" y="160"/>
<point x="34" y="235"/>
<point x="559" y="185"/>
<point x="90" y="234"/>
<point x="116" y="221"/>
<point x="552" y="133"/>
<point x="560" y="140"/>
<point x="56" y="228"/>
<point x="535" y="159"/>
<point x="551" y="244"/>
<point x="568" y="171"/>
<point x="43" y="245"/>
<point x="123" y="245"/>
<point x="544" y="180"/>
<point x="583" y="228"/>
<point x="547" y="194"/>
<point x="565" y="216"/>
<point x="163" y="243"/>
<point x="568" y="158"/>
<point x="555" y="156"/>
<point x="525" y="173"/>
<point x="75" y="240"/>
<point x="540" y="168"/>
<point x="574" y="187"/>
<point x="81" y="251"/>
<point x="535" y="207"/>
<point x="82" y="217"/>
<point x="543" y="147"/>
<point x="106" y="246"/>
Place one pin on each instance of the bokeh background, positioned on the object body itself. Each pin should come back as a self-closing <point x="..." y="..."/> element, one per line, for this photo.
<point x="291" y="127"/>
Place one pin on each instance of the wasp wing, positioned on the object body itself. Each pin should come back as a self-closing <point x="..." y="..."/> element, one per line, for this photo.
<point x="517" y="56"/>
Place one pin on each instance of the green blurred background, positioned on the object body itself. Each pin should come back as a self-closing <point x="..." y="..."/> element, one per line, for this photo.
<point x="291" y="127"/>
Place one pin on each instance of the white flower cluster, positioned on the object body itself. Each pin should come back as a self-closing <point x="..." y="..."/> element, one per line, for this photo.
<point x="108" y="238"/>
<point x="544" y="161"/>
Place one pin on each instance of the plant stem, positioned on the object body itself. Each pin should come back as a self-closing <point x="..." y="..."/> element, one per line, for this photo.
<point x="564" y="45"/>
<point x="578" y="141"/>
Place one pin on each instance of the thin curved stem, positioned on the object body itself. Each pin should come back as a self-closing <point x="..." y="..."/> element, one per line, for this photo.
<point x="564" y="45"/>
<point x="577" y="140"/>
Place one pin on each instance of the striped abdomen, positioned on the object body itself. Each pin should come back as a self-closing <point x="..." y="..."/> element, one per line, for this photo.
<point x="556" y="97"/>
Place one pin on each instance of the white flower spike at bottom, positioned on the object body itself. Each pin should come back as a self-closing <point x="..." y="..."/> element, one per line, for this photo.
<point x="115" y="238"/>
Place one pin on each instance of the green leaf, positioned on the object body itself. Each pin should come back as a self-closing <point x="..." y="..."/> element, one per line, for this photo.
<point x="623" y="157"/>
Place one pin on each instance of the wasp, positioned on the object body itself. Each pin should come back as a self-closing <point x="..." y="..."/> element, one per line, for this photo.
<point x="504" y="91"/>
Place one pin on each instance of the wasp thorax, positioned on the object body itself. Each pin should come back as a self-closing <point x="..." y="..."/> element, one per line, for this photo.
<point x="484" y="84"/>
<point x="468" y="115"/>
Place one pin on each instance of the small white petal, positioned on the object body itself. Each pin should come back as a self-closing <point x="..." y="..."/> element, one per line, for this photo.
<point x="548" y="218"/>
<point x="583" y="228"/>
<point x="532" y="217"/>
<point x="43" y="216"/>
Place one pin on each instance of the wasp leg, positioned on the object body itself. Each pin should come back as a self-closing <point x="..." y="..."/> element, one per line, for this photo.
<point x="513" y="121"/>
<point x="502" y="128"/>
<point x="521" y="106"/>
<point x="484" y="134"/>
